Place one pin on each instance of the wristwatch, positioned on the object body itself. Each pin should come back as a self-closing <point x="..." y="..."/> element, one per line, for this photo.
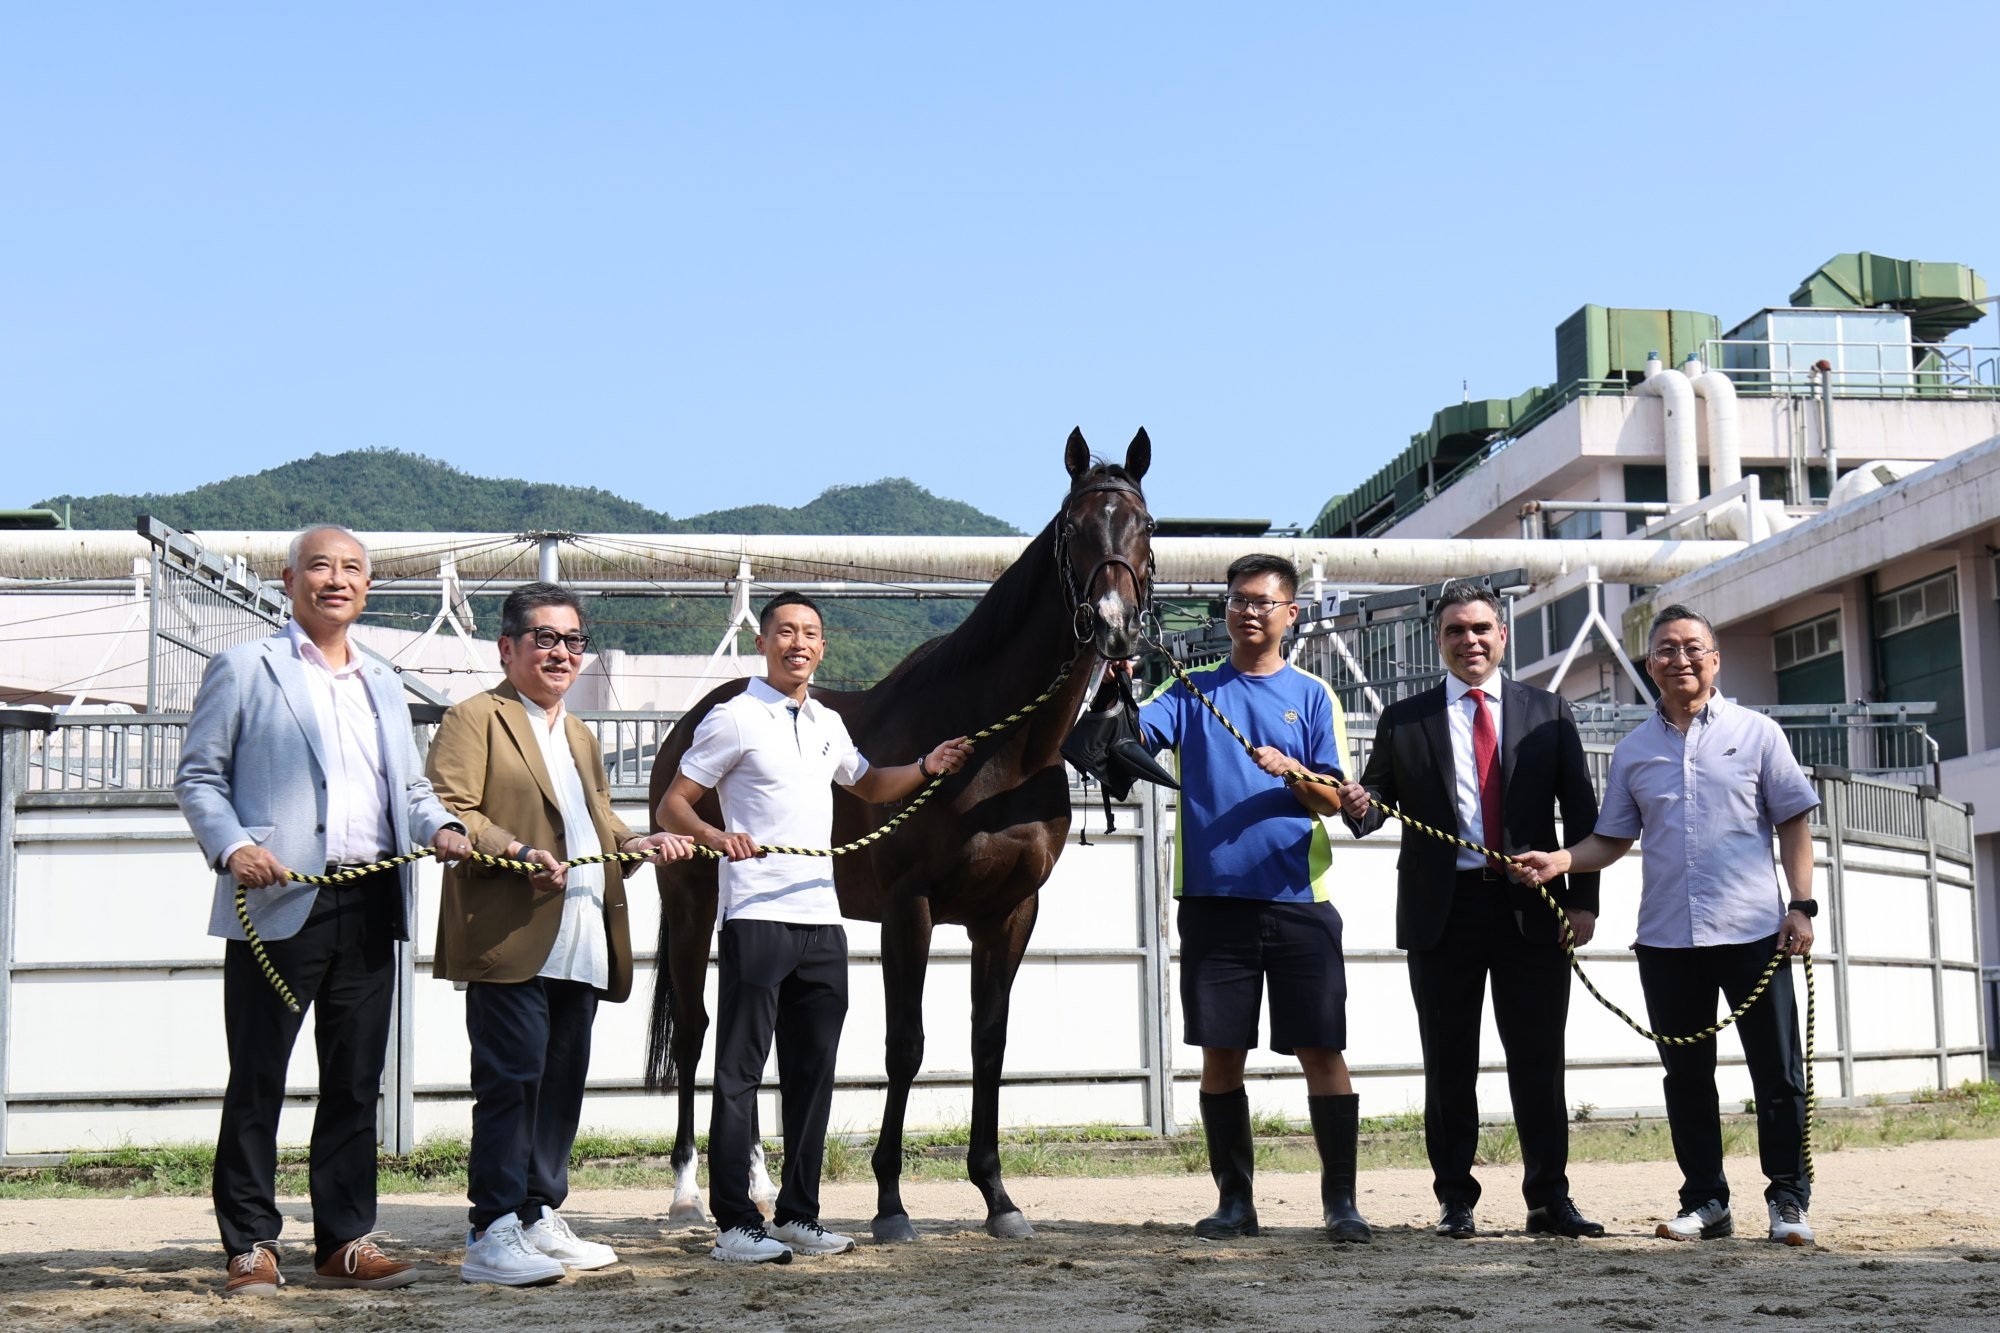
<point x="1805" y="907"/>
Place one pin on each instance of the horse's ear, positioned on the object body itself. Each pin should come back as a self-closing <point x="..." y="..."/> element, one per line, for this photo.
<point x="1139" y="454"/>
<point x="1076" y="454"/>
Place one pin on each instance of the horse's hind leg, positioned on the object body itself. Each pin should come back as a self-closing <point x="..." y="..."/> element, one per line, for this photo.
<point x="906" y="955"/>
<point x="996" y="957"/>
<point x="692" y="911"/>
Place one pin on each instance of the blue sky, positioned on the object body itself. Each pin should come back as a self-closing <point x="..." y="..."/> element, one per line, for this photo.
<point x="715" y="256"/>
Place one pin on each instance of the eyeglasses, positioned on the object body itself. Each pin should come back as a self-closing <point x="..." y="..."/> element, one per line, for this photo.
<point x="1258" y="606"/>
<point x="546" y="639"/>
<point x="1695" y="654"/>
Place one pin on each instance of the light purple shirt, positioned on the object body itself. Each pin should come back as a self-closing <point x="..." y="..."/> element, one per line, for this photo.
<point x="1704" y="807"/>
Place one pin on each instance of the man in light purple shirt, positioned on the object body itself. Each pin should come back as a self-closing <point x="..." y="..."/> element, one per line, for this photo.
<point x="1708" y="784"/>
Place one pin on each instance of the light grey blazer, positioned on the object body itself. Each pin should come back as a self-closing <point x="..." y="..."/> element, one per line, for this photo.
<point x="253" y="768"/>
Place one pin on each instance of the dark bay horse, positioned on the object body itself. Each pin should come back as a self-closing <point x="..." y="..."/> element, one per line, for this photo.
<point x="977" y="853"/>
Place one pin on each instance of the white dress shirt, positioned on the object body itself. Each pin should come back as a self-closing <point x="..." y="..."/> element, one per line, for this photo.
<point x="1464" y="764"/>
<point x="357" y="783"/>
<point x="582" y="952"/>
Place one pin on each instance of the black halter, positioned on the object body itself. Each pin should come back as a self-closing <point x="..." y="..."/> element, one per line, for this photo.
<point x="1083" y="616"/>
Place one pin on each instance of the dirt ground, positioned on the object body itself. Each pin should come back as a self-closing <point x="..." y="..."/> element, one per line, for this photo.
<point x="1910" y="1238"/>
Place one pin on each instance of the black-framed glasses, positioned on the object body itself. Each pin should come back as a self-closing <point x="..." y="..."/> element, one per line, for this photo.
<point x="545" y="638"/>
<point x="1256" y="606"/>
<point x="1668" y="654"/>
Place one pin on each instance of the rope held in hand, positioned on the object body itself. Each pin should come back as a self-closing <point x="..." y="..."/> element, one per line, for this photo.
<point x="270" y="971"/>
<point x="1779" y="959"/>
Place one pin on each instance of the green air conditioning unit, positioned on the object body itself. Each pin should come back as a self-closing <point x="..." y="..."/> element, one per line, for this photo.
<point x="1602" y="346"/>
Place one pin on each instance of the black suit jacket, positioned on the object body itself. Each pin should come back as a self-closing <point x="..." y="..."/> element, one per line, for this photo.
<point x="1542" y="767"/>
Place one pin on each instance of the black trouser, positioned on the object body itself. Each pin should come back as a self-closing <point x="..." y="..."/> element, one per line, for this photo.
<point x="1680" y="989"/>
<point x="1530" y="1007"/>
<point x="774" y="975"/>
<point x="342" y="967"/>
<point x="530" y="1056"/>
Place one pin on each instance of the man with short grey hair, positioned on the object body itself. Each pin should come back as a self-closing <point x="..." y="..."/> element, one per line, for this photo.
<point x="1708" y="783"/>
<point x="298" y="757"/>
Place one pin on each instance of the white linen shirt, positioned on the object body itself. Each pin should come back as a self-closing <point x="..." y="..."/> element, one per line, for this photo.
<point x="774" y="769"/>
<point x="357" y="783"/>
<point x="581" y="952"/>
<point x="1464" y="764"/>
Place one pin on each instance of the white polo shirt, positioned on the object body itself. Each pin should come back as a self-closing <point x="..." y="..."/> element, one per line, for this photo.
<point x="774" y="763"/>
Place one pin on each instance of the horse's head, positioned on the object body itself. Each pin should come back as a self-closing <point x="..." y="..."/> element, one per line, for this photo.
<point x="1104" y="546"/>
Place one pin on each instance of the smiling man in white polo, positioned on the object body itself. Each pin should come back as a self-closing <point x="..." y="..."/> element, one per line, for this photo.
<point x="772" y="754"/>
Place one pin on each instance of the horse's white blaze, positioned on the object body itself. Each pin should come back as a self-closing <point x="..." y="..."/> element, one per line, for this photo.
<point x="1111" y="611"/>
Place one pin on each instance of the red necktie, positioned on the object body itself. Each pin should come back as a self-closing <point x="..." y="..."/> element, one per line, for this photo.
<point x="1486" y="758"/>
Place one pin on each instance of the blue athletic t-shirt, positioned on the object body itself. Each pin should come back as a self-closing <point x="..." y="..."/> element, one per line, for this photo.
<point x="1241" y="833"/>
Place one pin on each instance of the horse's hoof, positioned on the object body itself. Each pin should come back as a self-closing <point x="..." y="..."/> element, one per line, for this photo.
<point x="686" y="1213"/>
<point x="893" y="1228"/>
<point x="1009" y="1226"/>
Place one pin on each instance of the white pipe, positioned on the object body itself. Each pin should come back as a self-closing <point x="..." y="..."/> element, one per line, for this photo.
<point x="1676" y="396"/>
<point x="884" y="560"/>
<point x="1725" y="449"/>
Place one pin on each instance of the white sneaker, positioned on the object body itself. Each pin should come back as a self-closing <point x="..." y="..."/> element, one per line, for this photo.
<point x="807" y="1236"/>
<point x="1789" y="1225"/>
<point x="503" y="1255"/>
<point x="749" y="1245"/>
<point x="552" y="1236"/>
<point x="1711" y="1221"/>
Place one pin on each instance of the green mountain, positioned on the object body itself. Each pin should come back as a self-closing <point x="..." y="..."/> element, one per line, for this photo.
<point x="389" y="491"/>
<point x="384" y="490"/>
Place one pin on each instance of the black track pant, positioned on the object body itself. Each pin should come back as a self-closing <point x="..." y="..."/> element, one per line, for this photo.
<point x="774" y="976"/>
<point x="1680" y="987"/>
<point x="342" y="967"/>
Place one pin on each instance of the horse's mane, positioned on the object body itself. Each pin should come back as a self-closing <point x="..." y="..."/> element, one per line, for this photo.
<point x="1023" y="587"/>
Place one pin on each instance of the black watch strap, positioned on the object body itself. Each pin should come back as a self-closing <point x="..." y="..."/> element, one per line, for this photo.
<point x="1805" y="907"/>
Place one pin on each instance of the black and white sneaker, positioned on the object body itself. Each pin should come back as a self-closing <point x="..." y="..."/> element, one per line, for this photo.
<point x="1711" y="1221"/>
<point x="749" y="1245"/>
<point x="808" y="1237"/>
<point x="1789" y="1225"/>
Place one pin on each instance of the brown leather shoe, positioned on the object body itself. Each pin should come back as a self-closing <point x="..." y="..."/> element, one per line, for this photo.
<point x="255" y="1272"/>
<point x="360" y="1264"/>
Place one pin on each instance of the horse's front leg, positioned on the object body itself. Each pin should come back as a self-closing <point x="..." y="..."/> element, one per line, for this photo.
<point x="996" y="957"/>
<point x="906" y="956"/>
<point x="691" y="913"/>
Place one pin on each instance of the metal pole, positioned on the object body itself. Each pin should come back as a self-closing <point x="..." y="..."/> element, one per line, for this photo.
<point x="549" y="568"/>
<point x="1835" y="810"/>
<point x="14" y="728"/>
<point x="1152" y="983"/>
<point x="1825" y="369"/>
<point x="1926" y="813"/>
<point x="1156" y="877"/>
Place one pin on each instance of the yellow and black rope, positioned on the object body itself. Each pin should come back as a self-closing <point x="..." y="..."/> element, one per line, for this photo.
<point x="1779" y="959"/>
<point x="270" y="971"/>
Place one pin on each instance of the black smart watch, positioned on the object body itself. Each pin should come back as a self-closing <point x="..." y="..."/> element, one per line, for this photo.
<point x="1805" y="907"/>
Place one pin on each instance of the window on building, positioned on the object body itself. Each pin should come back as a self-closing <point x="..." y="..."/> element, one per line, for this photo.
<point x="1917" y="654"/>
<point x="1577" y="527"/>
<point x="1796" y="645"/>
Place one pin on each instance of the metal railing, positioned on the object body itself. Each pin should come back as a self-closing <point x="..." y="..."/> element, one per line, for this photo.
<point x="1774" y="367"/>
<point x="134" y="752"/>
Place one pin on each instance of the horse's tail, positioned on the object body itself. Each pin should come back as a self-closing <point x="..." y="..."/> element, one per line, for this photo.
<point x="660" y="1071"/>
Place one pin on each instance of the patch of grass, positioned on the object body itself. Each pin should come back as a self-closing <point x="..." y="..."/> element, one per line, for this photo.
<point x="1271" y="1125"/>
<point x="604" y="1161"/>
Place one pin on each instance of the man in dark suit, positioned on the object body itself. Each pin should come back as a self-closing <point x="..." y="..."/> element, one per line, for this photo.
<point x="1489" y="759"/>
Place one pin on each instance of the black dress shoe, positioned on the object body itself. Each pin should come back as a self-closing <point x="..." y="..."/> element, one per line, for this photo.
<point x="1561" y="1219"/>
<point x="1456" y="1222"/>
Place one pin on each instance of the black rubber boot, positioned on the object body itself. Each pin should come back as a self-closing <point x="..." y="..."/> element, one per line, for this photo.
<point x="1232" y="1160"/>
<point x="1336" y="1121"/>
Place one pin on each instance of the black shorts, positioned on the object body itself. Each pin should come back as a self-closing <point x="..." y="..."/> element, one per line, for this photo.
<point x="1232" y="948"/>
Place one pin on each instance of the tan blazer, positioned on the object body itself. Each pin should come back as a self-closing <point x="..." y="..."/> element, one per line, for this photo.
<point x="487" y="769"/>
